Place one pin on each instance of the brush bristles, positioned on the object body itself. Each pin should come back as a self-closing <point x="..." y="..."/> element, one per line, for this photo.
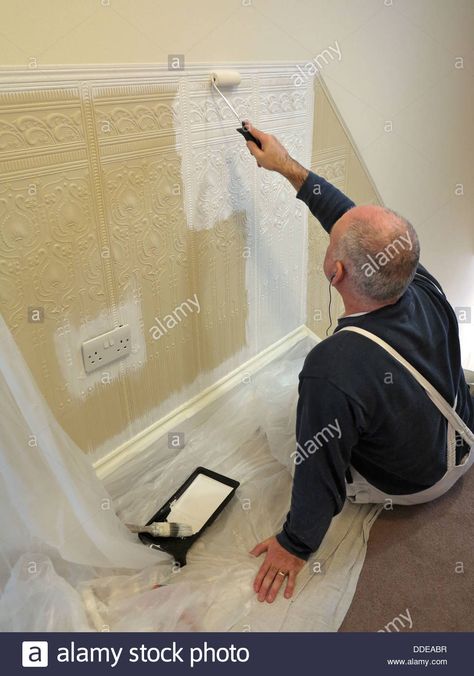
<point x="163" y="529"/>
<point x="171" y="530"/>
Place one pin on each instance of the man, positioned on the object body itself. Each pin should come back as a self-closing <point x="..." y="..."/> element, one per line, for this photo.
<point x="360" y="412"/>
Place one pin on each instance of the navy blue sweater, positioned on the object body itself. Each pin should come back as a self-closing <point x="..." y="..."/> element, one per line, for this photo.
<point x="358" y="405"/>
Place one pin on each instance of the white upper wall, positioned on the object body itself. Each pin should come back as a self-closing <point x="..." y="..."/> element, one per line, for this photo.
<point x="407" y="106"/>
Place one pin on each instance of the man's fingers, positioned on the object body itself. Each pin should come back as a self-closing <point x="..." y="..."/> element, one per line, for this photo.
<point x="260" y="576"/>
<point x="290" y="585"/>
<point x="267" y="583"/>
<point x="260" y="547"/>
<point x="260" y="135"/>
<point x="254" y="150"/>
<point x="253" y="147"/>
<point x="275" y="588"/>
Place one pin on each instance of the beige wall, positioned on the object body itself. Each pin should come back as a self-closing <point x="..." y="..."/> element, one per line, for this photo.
<point x="403" y="86"/>
<point x="123" y="198"/>
<point x="399" y="64"/>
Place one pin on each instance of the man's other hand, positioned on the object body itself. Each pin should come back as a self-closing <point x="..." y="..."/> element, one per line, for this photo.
<point x="277" y="560"/>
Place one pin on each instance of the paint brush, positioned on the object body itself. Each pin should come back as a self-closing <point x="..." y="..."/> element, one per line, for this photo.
<point x="163" y="529"/>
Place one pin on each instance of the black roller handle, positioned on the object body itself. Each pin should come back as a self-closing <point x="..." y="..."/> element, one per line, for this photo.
<point x="248" y="136"/>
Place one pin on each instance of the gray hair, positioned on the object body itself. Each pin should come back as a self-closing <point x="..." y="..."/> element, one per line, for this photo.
<point x="378" y="264"/>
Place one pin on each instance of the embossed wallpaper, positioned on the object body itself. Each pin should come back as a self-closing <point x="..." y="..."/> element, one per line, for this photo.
<point x="129" y="198"/>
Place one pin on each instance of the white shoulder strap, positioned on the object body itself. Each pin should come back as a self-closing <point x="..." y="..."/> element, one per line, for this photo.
<point x="439" y="401"/>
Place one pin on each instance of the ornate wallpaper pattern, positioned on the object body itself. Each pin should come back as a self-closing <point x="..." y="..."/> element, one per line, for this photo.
<point x="124" y="199"/>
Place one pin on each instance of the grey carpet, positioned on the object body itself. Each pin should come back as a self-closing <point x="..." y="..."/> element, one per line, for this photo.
<point x="412" y="557"/>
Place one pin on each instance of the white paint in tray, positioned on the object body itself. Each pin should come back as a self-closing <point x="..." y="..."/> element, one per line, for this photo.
<point x="198" y="502"/>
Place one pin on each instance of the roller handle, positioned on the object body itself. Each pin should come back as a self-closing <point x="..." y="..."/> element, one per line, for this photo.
<point x="248" y="136"/>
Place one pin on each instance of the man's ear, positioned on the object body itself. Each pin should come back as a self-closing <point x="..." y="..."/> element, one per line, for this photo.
<point x="339" y="268"/>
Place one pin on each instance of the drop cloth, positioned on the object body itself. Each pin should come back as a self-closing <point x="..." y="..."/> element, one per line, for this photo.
<point x="107" y="581"/>
<point x="249" y="436"/>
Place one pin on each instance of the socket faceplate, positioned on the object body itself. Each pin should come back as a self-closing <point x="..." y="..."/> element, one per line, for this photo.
<point x="106" y="348"/>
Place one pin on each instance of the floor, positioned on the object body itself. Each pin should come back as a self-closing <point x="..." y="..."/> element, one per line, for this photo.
<point x="214" y="592"/>
<point x="419" y="567"/>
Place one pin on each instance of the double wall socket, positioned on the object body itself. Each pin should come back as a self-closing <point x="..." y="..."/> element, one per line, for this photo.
<point x="106" y="348"/>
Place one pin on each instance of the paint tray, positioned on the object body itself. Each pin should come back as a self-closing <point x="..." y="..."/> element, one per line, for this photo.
<point x="199" y="500"/>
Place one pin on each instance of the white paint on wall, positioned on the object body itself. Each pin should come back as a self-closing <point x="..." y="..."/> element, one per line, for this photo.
<point x="220" y="179"/>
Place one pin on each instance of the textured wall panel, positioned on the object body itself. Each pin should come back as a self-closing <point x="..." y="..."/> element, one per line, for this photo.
<point x="123" y="198"/>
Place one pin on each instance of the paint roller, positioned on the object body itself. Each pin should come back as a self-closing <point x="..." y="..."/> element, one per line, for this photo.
<point x="231" y="78"/>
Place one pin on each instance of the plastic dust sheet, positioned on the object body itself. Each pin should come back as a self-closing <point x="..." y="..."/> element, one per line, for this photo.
<point x="69" y="565"/>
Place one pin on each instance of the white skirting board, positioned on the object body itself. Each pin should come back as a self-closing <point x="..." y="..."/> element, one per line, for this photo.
<point x="131" y="449"/>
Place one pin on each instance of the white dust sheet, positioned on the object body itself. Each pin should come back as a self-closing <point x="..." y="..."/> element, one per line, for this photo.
<point x="248" y="435"/>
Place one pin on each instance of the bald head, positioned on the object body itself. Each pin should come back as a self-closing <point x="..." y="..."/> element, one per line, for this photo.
<point x="379" y="250"/>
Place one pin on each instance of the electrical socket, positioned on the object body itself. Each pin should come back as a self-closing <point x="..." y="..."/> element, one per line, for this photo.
<point x="107" y="347"/>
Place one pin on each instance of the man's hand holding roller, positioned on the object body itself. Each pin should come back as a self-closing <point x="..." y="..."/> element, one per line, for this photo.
<point x="274" y="157"/>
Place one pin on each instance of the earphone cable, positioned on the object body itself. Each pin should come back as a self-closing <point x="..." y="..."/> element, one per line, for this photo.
<point x="329" y="308"/>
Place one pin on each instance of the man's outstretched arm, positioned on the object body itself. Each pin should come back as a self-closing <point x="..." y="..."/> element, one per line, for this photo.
<point x="326" y="202"/>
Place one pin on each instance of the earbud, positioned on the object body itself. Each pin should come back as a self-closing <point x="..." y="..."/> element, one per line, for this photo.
<point x="332" y="277"/>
